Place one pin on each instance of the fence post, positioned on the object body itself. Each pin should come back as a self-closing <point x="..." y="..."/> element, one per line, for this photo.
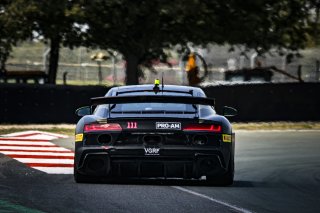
<point x="299" y="73"/>
<point x="317" y="70"/>
<point x="65" y="78"/>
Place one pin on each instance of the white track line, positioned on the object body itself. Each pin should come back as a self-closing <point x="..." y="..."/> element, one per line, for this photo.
<point x="17" y="134"/>
<point x="41" y="137"/>
<point x="26" y="143"/>
<point x="22" y="133"/>
<point x="17" y="148"/>
<point x="53" y="134"/>
<point x="43" y="160"/>
<point x="35" y="135"/>
<point x="37" y="153"/>
<point x="55" y="170"/>
<point x="212" y="199"/>
<point x="22" y="139"/>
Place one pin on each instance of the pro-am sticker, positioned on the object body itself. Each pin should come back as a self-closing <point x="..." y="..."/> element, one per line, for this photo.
<point x="168" y="125"/>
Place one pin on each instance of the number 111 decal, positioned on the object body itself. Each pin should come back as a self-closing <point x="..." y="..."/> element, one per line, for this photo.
<point x="132" y="125"/>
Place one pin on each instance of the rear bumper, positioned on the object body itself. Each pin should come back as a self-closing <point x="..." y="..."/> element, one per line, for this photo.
<point x="184" y="162"/>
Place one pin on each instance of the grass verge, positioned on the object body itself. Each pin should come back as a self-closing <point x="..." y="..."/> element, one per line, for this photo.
<point x="68" y="129"/>
<point x="309" y="125"/>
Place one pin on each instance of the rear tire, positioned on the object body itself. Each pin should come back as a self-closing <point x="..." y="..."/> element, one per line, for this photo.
<point x="80" y="178"/>
<point x="224" y="180"/>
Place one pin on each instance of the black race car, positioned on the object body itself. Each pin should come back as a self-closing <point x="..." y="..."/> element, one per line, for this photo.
<point x="154" y="131"/>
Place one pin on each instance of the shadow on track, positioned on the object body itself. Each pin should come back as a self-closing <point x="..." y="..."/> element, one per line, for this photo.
<point x="171" y="182"/>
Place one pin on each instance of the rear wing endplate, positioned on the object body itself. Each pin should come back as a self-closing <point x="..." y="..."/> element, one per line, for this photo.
<point x="152" y="99"/>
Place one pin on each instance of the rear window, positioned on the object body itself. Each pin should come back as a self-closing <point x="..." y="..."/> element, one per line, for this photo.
<point x="154" y="107"/>
<point x="149" y="108"/>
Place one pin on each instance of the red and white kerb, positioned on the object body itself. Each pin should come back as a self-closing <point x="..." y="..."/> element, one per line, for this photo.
<point x="34" y="149"/>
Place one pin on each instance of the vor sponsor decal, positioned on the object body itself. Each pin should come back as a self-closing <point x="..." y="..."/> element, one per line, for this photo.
<point x="168" y="125"/>
<point x="151" y="151"/>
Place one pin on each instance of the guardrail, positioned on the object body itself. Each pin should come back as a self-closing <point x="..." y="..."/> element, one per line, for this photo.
<point x="24" y="76"/>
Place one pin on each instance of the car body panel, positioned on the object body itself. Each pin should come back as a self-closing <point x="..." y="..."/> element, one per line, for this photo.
<point x="154" y="144"/>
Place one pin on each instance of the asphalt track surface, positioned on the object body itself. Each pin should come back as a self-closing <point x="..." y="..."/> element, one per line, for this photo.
<point x="275" y="172"/>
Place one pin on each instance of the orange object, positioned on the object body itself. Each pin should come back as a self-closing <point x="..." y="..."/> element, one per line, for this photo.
<point x="191" y="63"/>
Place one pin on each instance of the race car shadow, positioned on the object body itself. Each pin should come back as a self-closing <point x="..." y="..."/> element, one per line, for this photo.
<point x="174" y="182"/>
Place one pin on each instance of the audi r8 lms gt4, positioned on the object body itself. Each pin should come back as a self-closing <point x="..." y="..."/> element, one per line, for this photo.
<point x="154" y="131"/>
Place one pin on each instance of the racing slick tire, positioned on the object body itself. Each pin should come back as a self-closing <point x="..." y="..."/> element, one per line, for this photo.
<point x="224" y="180"/>
<point x="79" y="178"/>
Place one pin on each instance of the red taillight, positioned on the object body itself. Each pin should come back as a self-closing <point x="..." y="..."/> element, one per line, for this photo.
<point x="102" y="127"/>
<point x="203" y="127"/>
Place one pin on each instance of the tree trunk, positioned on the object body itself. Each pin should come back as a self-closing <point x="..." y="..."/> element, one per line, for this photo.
<point x="317" y="23"/>
<point x="132" y="69"/>
<point x="54" y="59"/>
<point x="2" y="65"/>
<point x="3" y="59"/>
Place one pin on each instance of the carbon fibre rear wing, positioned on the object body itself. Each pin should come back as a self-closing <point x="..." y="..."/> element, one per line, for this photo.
<point x="152" y="99"/>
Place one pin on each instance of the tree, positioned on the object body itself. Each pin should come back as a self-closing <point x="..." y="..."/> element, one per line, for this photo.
<point x="55" y="21"/>
<point x="314" y="5"/>
<point x="12" y="26"/>
<point x="141" y="30"/>
<point x="52" y="21"/>
<point x="270" y="24"/>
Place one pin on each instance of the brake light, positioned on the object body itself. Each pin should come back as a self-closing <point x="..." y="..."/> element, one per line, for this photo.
<point x="203" y="127"/>
<point x="102" y="127"/>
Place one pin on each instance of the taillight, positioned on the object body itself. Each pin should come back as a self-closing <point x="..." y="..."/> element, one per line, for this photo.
<point x="102" y="127"/>
<point x="203" y="127"/>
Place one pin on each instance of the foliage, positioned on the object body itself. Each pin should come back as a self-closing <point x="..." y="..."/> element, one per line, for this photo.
<point x="56" y="19"/>
<point x="266" y="24"/>
<point x="145" y="28"/>
<point x="12" y="26"/>
<point x="55" y="22"/>
<point x="314" y="5"/>
<point x="51" y="21"/>
<point x="141" y="30"/>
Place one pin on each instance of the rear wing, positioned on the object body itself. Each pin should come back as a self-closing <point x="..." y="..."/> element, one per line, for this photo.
<point x="152" y="99"/>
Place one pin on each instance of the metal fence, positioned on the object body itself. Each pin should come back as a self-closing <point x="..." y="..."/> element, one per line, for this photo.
<point x="78" y="68"/>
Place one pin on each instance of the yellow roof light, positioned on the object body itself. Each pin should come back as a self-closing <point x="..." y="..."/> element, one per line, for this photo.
<point x="157" y="82"/>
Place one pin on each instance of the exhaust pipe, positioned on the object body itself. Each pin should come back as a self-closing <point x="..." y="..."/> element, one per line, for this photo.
<point x="96" y="164"/>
